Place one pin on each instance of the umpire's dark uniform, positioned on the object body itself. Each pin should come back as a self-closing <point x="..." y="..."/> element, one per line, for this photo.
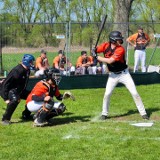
<point x="13" y="88"/>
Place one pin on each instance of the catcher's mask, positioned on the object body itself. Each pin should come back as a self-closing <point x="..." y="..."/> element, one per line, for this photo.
<point x="114" y="36"/>
<point x="53" y="74"/>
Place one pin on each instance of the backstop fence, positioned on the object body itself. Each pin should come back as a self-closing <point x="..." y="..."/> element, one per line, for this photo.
<point x="72" y="37"/>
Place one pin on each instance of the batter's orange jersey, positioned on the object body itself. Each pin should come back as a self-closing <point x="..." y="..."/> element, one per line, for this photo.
<point x="42" y="88"/>
<point x="118" y="54"/>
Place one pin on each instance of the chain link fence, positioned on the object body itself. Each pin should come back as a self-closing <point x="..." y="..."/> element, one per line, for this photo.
<point x="18" y="39"/>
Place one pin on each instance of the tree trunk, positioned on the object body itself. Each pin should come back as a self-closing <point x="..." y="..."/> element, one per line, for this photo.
<point x="121" y="18"/>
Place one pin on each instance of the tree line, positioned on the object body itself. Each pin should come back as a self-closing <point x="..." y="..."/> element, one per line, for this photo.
<point x="21" y="21"/>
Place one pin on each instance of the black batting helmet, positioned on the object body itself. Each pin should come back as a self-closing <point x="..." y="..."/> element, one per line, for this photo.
<point x="114" y="36"/>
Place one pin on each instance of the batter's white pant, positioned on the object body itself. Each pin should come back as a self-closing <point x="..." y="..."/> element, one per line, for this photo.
<point x="126" y="79"/>
<point x="140" y="56"/>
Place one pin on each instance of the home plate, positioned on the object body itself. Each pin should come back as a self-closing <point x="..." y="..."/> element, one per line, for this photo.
<point x="142" y="124"/>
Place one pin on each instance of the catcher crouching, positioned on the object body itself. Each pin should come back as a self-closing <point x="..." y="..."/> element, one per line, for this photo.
<point x="40" y="100"/>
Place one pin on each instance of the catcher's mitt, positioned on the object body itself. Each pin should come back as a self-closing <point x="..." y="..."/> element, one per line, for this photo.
<point x="67" y="95"/>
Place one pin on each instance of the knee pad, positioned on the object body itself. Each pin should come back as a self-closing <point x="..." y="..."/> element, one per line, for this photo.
<point x="49" y="105"/>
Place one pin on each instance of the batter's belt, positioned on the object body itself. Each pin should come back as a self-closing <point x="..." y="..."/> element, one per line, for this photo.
<point x="119" y="72"/>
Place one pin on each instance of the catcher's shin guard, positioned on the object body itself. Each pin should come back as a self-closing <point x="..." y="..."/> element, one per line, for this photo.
<point x="44" y="111"/>
<point x="9" y="110"/>
<point x="58" y="109"/>
<point x="41" y="118"/>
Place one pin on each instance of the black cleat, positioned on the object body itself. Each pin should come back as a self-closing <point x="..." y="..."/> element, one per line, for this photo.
<point x="103" y="117"/>
<point x="39" y="124"/>
<point x="145" y="117"/>
<point x="26" y="117"/>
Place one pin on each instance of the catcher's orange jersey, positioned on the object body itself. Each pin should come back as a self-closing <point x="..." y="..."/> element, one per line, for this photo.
<point x="43" y="88"/>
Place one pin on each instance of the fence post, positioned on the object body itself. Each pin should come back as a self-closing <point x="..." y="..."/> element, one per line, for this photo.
<point x="1" y="69"/>
<point x="68" y="34"/>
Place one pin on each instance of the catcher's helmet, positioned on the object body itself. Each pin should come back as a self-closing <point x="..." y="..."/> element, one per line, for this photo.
<point x="53" y="74"/>
<point x="28" y="60"/>
<point x="114" y="36"/>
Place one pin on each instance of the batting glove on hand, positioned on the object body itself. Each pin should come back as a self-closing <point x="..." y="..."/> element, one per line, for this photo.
<point x="67" y="95"/>
<point x="94" y="53"/>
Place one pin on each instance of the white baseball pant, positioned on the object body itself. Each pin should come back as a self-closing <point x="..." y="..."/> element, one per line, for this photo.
<point x="34" y="106"/>
<point x="140" y="56"/>
<point x="126" y="79"/>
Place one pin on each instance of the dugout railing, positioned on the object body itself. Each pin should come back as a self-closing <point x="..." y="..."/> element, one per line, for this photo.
<point x="99" y="81"/>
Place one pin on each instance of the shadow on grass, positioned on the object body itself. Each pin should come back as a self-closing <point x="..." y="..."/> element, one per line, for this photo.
<point x="62" y="119"/>
<point x="68" y="117"/>
<point x="59" y="120"/>
<point x="130" y="112"/>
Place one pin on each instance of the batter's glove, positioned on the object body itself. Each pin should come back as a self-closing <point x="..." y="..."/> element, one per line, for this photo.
<point x="67" y="95"/>
<point x="94" y="53"/>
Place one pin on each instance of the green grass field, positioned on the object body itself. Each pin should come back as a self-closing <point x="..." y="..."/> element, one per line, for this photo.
<point x="80" y="135"/>
<point x="10" y="60"/>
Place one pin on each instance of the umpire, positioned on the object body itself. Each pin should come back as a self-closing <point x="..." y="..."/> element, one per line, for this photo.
<point x="13" y="88"/>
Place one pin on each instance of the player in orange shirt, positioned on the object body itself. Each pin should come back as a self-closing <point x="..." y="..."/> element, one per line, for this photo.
<point x="139" y="41"/>
<point x="84" y="64"/>
<point x="63" y="64"/>
<point x="114" y="56"/>
<point x="41" y="64"/>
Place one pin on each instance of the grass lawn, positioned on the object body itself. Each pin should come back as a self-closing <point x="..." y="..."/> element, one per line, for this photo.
<point x="80" y="135"/>
<point x="11" y="60"/>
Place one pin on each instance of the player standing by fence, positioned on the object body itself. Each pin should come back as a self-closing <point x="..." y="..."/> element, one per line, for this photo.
<point x="139" y="41"/>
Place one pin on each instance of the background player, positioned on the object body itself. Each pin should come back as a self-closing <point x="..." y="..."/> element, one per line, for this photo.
<point x="139" y="41"/>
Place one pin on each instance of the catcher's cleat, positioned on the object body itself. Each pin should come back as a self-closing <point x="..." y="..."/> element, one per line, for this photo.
<point x="103" y="117"/>
<point x="39" y="124"/>
<point x="6" y="122"/>
<point x="26" y="117"/>
<point x="145" y="117"/>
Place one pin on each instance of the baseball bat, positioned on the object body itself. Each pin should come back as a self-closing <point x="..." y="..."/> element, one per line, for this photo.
<point x="101" y="28"/>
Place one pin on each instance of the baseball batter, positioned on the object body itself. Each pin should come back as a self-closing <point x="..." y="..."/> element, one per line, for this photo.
<point x="114" y="56"/>
<point x="139" y="41"/>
